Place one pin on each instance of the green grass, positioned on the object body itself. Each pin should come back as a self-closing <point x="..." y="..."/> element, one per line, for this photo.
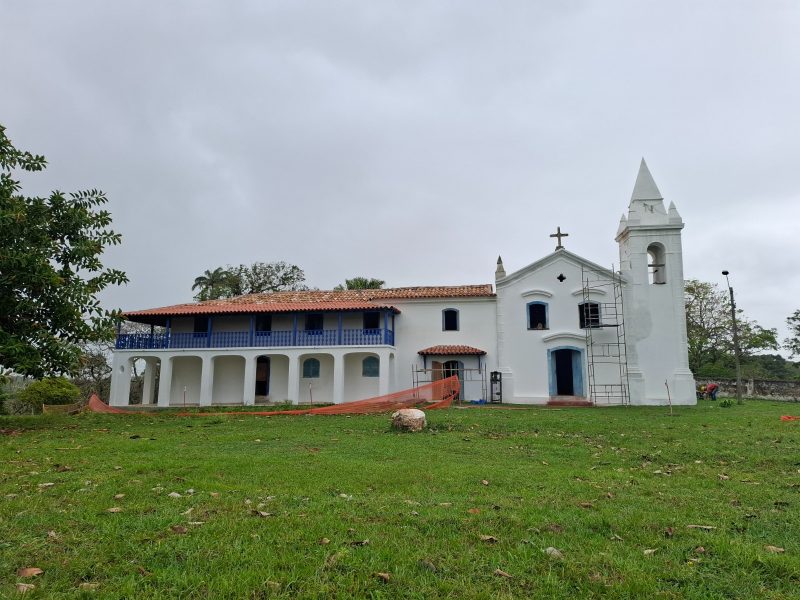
<point x="601" y="485"/>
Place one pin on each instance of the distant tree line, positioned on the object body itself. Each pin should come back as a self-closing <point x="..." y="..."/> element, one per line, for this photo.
<point x="709" y="327"/>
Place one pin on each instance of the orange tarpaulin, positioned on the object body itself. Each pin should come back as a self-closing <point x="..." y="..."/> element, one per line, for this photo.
<point x="789" y="418"/>
<point x="439" y="394"/>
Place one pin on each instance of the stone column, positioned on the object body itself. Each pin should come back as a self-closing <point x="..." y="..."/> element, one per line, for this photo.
<point x="249" y="381"/>
<point x="294" y="380"/>
<point x="383" y="374"/>
<point x="207" y="381"/>
<point x="338" y="379"/>
<point x="165" y="382"/>
<point x="120" y="380"/>
<point x="149" y="376"/>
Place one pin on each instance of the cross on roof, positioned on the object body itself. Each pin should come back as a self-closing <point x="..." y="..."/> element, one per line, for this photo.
<point x="559" y="235"/>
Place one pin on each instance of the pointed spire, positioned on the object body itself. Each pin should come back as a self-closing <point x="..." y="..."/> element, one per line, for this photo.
<point x="500" y="272"/>
<point x="674" y="215"/>
<point x="623" y="223"/>
<point x="645" y="187"/>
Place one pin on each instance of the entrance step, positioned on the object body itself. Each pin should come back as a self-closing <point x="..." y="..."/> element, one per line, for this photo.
<point x="568" y="401"/>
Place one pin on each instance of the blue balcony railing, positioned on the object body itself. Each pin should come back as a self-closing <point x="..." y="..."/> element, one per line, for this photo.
<point x="256" y="339"/>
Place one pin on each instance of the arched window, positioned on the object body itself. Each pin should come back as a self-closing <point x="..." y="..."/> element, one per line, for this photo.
<point x="537" y="315"/>
<point x="310" y="368"/>
<point x="656" y="263"/>
<point x="450" y="319"/>
<point x="370" y="366"/>
<point x="589" y="315"/>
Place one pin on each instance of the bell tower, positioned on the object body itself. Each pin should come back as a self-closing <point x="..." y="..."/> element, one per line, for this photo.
<point x="651" y="263"/>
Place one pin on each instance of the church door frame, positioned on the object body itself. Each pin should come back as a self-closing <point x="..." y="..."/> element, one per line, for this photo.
<point x="577" y="370"/>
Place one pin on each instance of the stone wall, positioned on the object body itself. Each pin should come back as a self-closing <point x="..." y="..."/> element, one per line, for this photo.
<point x="757" y="388"/>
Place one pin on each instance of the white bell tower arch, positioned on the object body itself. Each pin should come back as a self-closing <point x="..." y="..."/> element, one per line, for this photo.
<point x="651" y="262"/>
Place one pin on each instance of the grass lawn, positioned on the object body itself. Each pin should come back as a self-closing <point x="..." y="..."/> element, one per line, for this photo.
<point x="310" y="507"/>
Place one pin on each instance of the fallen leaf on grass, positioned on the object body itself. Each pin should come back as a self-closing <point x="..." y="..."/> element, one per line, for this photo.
<point x="179" y="529"/>
<point x="501" y="573"/>
<point x="324" y="542"/>
<point x="700" y="550"/>
<point x="188" y="511"/>
<point x="669" y="532"/>
<point x="142" y="571"/>
<point x="445" y="504"/>
<point x="650" y="551"/>
<point x="474" y="511"/>
<point x="554" y="553"/>
<point x="114" y="509"/>
<point x="615" y="538"/>
<point x="46" y="485"/>
<point x="52" y="535"/>
<point x="774" y="549"/>
<point x="24" y="588"/>
<point x="489" y="539"/>
<point x="586" y="505"/>
<point x="384" y="577"/>
<point x="214" y="494"/>
<point x="174" y="495"/>
<point x="29" y="572"/>
<point x="359" y="543"/>
<point x="554" y="528"/>
<point x="196" y="523"/>
<point x="62" y="468"/>
<point x="723" y="477"/>
<point x="484" y="482"/>
<point x="703" y="527"/>
<point x="89" y="587"/>
<point x="261" y="513"/>
<point x="119" y="496"/>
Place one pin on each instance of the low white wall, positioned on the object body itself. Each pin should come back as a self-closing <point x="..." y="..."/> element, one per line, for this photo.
<point x="322" y="386"/>
<point x="186" y="371"/>
<point x="228" y="380"/>
<point x="357" y="387"/>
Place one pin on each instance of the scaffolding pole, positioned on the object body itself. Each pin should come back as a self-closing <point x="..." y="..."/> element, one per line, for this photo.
<point x="604" y="329"/>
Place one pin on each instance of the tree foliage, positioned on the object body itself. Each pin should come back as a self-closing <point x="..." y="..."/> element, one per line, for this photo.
<point x="256" y="278"/>
<point x="792" y="343"/>
<point x="211" y="285"/>
<point x="361" y="283"/>
<point x="50" y="271"/>
<point x="50" y="390"/>
<point x="710" y="329"/>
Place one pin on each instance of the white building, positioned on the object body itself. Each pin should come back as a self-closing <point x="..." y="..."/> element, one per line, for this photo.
<point x="560" y="330"/>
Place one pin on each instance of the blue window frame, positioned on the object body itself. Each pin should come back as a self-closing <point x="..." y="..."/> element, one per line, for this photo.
<point x="450" y="319"/>
<point x="310" y="368"/>
<point x="314" y="321"/>
<point x="537" y="315"/>
<point x="370" y="366"/>
<point x="372" y="319"/>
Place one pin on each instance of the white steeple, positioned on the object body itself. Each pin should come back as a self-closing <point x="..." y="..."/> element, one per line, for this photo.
<point x="645" y="187"/>
<point x="500" y="272"/>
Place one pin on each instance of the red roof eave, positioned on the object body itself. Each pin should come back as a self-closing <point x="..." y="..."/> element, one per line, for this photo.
<point x="231" y="309"/>
<point x="451" y="350"/>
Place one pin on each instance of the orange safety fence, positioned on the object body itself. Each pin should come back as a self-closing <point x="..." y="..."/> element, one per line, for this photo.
<point x="439" y="394"/>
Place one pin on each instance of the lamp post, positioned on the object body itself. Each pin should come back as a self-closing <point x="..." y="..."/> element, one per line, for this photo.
<point x="736" y="350"/>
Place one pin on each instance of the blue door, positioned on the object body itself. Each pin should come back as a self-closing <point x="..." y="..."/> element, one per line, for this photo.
<point x="566" y="371"/>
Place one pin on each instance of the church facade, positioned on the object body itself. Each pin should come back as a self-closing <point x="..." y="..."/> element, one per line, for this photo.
<point x="561" y="330"/>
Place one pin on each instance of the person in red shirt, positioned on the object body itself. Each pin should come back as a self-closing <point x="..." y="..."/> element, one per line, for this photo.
<point x="711" y="391"/>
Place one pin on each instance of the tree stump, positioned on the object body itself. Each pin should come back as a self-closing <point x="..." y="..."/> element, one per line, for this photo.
<point x="408" y="419"/>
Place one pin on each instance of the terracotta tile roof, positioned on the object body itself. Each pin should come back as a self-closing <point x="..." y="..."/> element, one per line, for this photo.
<point x="449" y="350"/>
<point x="320" y="300"/>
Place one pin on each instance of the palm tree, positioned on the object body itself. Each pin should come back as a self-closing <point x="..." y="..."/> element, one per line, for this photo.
<point x="211" y="284"/>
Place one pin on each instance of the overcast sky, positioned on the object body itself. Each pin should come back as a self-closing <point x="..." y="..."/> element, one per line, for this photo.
<point x="414" y="141"/>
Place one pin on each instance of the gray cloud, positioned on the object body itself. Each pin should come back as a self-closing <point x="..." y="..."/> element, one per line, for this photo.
<point x="413" y="141"/>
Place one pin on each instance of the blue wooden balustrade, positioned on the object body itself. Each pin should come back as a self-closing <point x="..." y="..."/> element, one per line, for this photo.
<point x="256" y="339"/>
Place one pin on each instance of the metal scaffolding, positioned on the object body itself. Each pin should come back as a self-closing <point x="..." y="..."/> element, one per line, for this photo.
<point x="604" y="327"/>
